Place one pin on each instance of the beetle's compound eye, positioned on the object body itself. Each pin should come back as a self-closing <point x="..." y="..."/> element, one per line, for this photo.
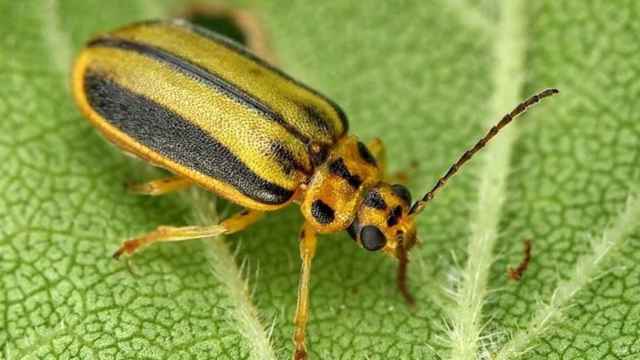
<point x="402" y="192"/>
<point x="372" y="238"/>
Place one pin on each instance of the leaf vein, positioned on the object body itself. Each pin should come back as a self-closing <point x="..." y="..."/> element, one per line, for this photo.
<point x="588" y="267"/>
<point x="246" y="319"/>
<point x="465" y="316"/>
<point x="470" y="16"/>
<point x="57" y="39"/>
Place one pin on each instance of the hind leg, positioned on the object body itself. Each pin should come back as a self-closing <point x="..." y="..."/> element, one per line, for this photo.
<point x="233" y="224"/>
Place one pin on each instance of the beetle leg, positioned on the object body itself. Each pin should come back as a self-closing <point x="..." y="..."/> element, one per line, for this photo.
<point x="236" y="223"/>
<point x="160" y="186"/>
<point x="376" y="147"/>
<point x="307" y="251"/>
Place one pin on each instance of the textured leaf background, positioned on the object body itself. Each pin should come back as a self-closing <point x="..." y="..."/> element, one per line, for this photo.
<point x="427" y="77"/>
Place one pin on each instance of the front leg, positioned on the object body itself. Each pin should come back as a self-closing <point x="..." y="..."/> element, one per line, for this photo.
<point x="307" y="251"/>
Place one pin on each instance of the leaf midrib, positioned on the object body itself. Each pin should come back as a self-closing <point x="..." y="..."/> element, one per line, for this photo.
<point x="465" y="317"/>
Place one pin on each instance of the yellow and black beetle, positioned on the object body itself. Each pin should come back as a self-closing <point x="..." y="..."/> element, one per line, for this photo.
<point x="215" y="115"/>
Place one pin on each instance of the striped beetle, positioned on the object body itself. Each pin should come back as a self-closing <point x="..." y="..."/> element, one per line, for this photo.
<point x="215" y="115"/>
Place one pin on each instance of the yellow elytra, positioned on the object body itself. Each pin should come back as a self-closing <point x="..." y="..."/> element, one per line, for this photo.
<point x="217" y="116"/>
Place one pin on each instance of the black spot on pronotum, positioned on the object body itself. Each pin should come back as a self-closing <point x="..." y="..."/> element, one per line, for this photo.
<point x="372" y="238"/>
<point x="338" y="168"/>
<point x="322" y="212"/>
<point x="373" y="199"/>
<point x="365" y="154"/>
<point x="402" y="192"/>
<point x="302" y="234"/>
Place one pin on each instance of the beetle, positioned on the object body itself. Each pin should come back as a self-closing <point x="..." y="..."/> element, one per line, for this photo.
<point x="215" y="115"/>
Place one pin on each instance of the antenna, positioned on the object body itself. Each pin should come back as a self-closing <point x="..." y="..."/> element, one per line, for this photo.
<point x="419" y="205"/>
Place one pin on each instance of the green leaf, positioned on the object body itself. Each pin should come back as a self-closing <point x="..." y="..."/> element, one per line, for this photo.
<point x="428" y="78"/>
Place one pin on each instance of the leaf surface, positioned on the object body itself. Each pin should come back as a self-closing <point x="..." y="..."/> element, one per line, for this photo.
<point x="428" y="78"/>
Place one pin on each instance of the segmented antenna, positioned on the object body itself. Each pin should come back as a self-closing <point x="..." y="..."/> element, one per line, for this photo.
<point x="521" y="108"/>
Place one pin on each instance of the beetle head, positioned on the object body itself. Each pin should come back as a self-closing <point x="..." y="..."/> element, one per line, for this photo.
<point x="383" y="222"/>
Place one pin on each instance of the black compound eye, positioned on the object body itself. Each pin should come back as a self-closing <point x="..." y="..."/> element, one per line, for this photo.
<point x="372" y="238"/>
<point x="402" y="192"/>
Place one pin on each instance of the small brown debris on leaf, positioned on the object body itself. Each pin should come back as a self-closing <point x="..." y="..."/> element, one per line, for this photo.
<point x="516" y="274"/>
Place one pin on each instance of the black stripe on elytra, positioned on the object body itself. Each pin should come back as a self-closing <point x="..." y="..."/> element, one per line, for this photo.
<point x="169" y="134"/>
<point x="286" y="159"/>
<point x="241" y="50"/>
<point x="202" y="75"/>
<point x="317" y="118"/>
<point x="373" y="199"/>
<point x="338" y="168"/>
